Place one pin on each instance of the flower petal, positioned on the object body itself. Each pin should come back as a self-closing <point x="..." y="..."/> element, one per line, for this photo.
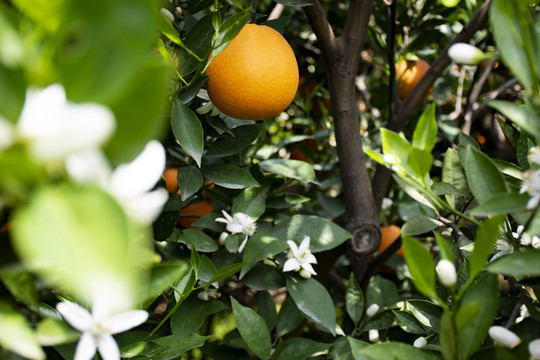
<point x="140" y="175"/>
<point x="89" y="166"/>
<point x="291" y="265"/>
<point x="243" y="245"/>
<point x="234" y="228"/>
<point x="310" y="258"/>
<point x="86" y="347"/>
<point x="304" y="245"/>
<point x="146" y="207"/>
<point x="308" y="268"/>
<point x="108" y="348"/>
<point x="75" y="315"/>
<point x="293" y="247"/>
<point x="126" y="320"/>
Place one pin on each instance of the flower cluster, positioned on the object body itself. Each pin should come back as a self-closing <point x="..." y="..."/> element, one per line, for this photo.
<point x="531" y="180"/>
<point x="503" y="247"/>
<point x="239" y="223"/>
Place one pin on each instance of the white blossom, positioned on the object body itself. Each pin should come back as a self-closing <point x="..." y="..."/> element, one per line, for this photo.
<point x="534" y="349"/>
<point x="372" y="310"/>
<point x="526" y="239"/>
<point x="300" y="258"/>
<point x="98" y="327"/>
<point x="239" y="223"/>
<point x="386" y="203"/>
<point x="504" y="337"/>
<point x="503" y="247"/>
<point x="466" y="54"/>
<point x="131" y="184"/>
<point x="208" y="294"/>
<point x="534" y="155"/>
<point x="446" y="272"/>
<point x="54" y="128"/>
<point x="531" y="185"/>
<point x="420" y="342"/>
<point x="373" y="335"/>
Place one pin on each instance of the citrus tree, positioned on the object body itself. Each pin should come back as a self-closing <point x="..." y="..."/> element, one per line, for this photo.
<point x="277" y="180"/>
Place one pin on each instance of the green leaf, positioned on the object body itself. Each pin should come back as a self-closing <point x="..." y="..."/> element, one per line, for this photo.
<point x="52" y="332"/>
<point x="522" y="151"/>
<point x="243" y="136"/>
<point x="299" y="349"/>
<point x="228" y="31"/>
<point x="453" y="174"/>
<point x="195" y="260"/>
<point x="225" y="272"/>
<point x="485" y="239"/>
<point x="90" y="242"/>
<point x="293" y="169"/>
<point x="525" y="262"/>
<point x="190" y="315"/>
<point x="253" y="329"/>
<point x="393" y="350"/>
<point x="168" y="30"/>
<point x="289" y="317"/>
<point x="413" y="192"/>
<point x="420" y="162"/>
<point x="20" y="283"/>
<point x="447" y="337"/>
<point x="420" y="224"/>
<point x="202" y="242"/>
<point x="295" y="3"/>
<point x="251" y="202"/>
<point x="261" y="246"/>
<point x="421" y="265"/>
<point x="141" y="348"/>
<point x="229" y="176"/>
<point x="314" y="301"/>
<point x="502" y="204"/>
<point x="523" y="116"/>
<point x="178" y="344"/>
<point x="187" y="130"/>
<point x="354" y="300"/>
<point x="425" y="133"/>
<point x="427" y="313"/>
<point x="409" y="323"/>
<point x="394" y="144"/>
<point x="382" y="292"/>
<point x="190" y="181"/>
<point x="447" y="247"/>
<point x="471" y="334"/>
<point x="163" y="275"/>
<point x="267" y="308"/>
<point x="324" y="234"/>
<point x="264" y="277"/>
<point x="483" y="177"/>
<point x="16" y="335"/>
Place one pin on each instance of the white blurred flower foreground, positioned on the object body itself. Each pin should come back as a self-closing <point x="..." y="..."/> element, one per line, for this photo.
<point x="98" y="327"/>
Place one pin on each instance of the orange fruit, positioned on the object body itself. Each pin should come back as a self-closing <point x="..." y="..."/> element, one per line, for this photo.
<point x="408" y="74"/>
<point x="170" y="176"/>
<point x="199" y="209"/>
<point x="388" y="235"/>
<point x="255" y="77"/>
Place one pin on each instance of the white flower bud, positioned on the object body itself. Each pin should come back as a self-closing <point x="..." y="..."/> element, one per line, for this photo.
<point x="420" y="342"/>
<point x="462" y="53"/>
<point x="386" y="203"/>
<point x="504" y="337"/>
<point x="223" y="237"/>
<point x="305" y="274"/>
<point x="534" y="349"/>
<point x="167" y="14"/>
<point x="446" y="272"/>
<point x="178" y="11"/>
<point x="373" y="335"/>
<point x="372" y="310"/>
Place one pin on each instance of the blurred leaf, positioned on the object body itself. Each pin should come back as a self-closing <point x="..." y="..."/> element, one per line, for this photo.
<point x="409" y="323"/>
<point x="190" y="315"/>
<point x="189" y="180"/>
<point x="510" y="133"/>
<point x="228" y="31"/>
<point x="525" y="262"/>
<point x="444" y="188"/>
<point x="421" y="265"/>
<point x="163" y="276"/>
<point x="187" y="130"/>
<point x="253" y="329"/>
<point x="354" y="300"/>
<point x="229" y="176"/>
<point x="12" y="92"/>
<point x="341" y="349"/>
<point x="427" y="313"/>
<point x="261" y="246"/>
<point x="467" y="141"/>
<point x="202" y="242"/>
<point x="299" y="349"/>
<point x="314" y="301"/>
<point x="177" y="344"/>
<point x="289" y="317"/>
<point x="472" y="334"/>
<point x="425" y="133"/>
<point x="293" y="169"/>
<point x="485" y="239"/>
<point x="524" y="144"/>
<point x="523" y="116"/>
<point x="16" y="335"/>
<point x="447" y="247"/>
<point x="141" y="348"/>
<point x="90" y="242"/>
<point x="20" y="283"/>
<point x="502" y="204"/>
<point x="324" y="234"/>
<point x="483" y="177"/>
<point x="243" y="136"/>
<point x="266" y="308"/>
<point x="52" y="332"/>
<point x="295" y="2"/>
<point x="447" y="337"/>
<point x="420" y="224"/>
<point x="251" y="202"/>
<point x="48" y="13"/>
<point x="412" y="192"/>
<point x="393" y="350"/>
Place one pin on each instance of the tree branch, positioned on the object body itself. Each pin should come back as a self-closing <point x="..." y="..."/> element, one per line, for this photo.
<point x="321" y="27"/>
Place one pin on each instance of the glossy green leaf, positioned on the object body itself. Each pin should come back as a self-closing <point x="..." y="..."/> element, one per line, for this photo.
<point x="471" y="336"/>
<point x="51" y="331"/>
<point x="426" y="312"/>
<point x="394" y="144"/>
<point x="523" y="116"/>
<point x="447" y="247"/>
<point x="261" y="246"/>
<point x="190" y="181"/>
<point x="524" y="143"/>
<point x="20" y="283"/>
<point x="354" y="300"/>
<point x="242" y="137"/>
<point x="229" y="176"/>
<point x="521" y="263"/>
<point x="16" y="335"/>
<point x="454" y="175"/>
<point x="447" y="337"/>
<point x="299" y="349"/>
<point x="324" y="234"/>
<point x="266" y="308"/>
<point x="167" y="28"/>
<point x="409" y="323"/>
<point x="420" y="162"/>
<point x="202" y="242"/>
<point x="264" y="277"/>
<point x="178" y="344"/>
<point x="228" y="31"/>
<point x="420" y="224"/>
<point x="484" y="242"/>
<point x="289" y="317"/>
<point x="187" y="130"/>
<point x="292" y="169"/>
<point x="502" y="204"/>
<point x="253" y="329"/>
<point x="225" y="272"/>
<point x="141" y="348"/>
<point x="406" y="186"/>
<point x="251" y="202"/>
<point x="425" y="133"/>
<point x="314" y="301"/>
<point x="421" y="265"/>
<point x="163" y="276"/>
<point x="295" y="2"/>
<point x="483" y="177"/>
<point x="190" y="315"/>
<point x="382" y="292"/>
<point x="394" y="350"/>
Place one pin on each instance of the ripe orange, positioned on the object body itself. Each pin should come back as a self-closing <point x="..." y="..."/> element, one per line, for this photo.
<point x="199" y="209"/>
<point x="170" y="176"/>
<point x="408" y="74"/>
<point x="388" y="235"/>
<point x="255" y="77"/>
